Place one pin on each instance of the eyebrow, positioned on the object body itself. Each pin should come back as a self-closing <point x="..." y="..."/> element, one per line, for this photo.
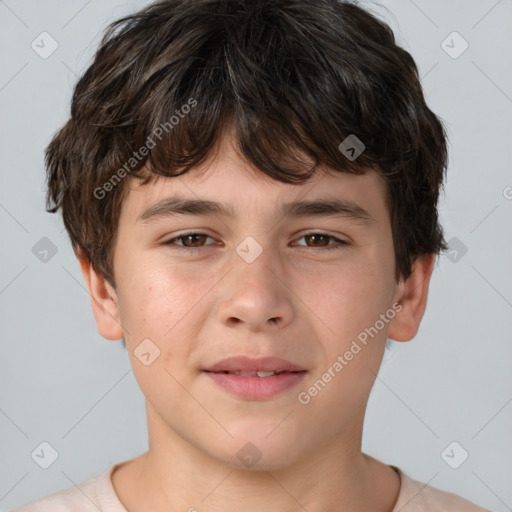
<point x="173" y="206"/>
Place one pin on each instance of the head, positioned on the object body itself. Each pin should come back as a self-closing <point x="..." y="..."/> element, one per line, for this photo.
<point x="248" y="104"/>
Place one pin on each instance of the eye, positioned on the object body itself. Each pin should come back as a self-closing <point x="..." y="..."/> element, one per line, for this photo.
<point x="196" y="240"/>
<point x="189" y="240"/>
<point x="321" y="240"/>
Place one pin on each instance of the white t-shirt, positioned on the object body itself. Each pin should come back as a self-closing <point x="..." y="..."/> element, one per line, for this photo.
<point x="98" y="494"/>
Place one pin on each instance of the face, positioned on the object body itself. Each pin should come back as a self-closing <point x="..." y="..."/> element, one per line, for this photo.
<point x="261" y="279"/>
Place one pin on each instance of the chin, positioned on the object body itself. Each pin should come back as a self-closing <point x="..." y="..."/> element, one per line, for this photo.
<point x="253" y="449"/>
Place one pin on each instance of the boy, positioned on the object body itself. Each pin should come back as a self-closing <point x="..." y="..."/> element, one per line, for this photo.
<point x="251" y="190"/>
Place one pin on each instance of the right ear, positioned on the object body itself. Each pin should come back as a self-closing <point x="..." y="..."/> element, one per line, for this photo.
<point x="103" y="301"/>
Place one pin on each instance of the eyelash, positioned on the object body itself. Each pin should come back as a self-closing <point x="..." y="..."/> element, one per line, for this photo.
<point x="338" y="246"/>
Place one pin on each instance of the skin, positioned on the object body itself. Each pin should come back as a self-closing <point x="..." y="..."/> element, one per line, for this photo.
<point x="201" y="306"/>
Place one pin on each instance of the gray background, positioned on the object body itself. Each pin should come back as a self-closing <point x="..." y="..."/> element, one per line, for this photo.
<point x="63" y="384"/>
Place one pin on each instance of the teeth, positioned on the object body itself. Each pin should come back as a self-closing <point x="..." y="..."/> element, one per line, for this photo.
<point x="265" y="374"/>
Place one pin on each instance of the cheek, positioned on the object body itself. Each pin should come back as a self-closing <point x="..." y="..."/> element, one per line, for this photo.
<point x="350" y="298"/>
<point x="157" y="304"/>
<point x="350" y="304"/>
<point x="158" y="301"/>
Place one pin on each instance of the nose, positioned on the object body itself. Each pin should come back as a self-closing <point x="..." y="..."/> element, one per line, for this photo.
<point x="256" y="295"/>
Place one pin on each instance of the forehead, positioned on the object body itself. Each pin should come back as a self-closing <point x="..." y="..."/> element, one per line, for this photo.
<point x="240" y="189"/>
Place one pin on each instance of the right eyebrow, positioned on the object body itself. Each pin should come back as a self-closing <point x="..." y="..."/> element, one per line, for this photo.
<point x="181" y="206"/>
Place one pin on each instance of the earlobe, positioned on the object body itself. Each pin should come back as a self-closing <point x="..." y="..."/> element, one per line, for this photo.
<point x="412" y="297"/>
<point x="103" y="301"/>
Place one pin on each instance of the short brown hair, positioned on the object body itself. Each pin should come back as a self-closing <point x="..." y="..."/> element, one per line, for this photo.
<point x="294" y="77"/>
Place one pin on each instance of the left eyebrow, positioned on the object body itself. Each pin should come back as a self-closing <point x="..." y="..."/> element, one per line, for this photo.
<point x="315" y="208"/>
<point x="331" y="207"/>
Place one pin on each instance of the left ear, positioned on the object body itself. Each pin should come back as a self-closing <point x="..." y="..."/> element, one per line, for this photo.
<point x="412" y="296"/>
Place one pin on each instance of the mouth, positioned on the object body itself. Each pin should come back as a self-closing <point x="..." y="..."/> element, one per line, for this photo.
<point x="255" y="379"/>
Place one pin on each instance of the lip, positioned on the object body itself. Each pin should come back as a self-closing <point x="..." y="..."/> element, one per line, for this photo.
<point x="256" y="388"/>
<point x="253" y="387"/>
<point x="251" y="364"/>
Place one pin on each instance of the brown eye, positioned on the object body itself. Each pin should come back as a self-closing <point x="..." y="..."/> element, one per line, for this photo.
<point x="193" y="240"/>
<point x="318" y="240"/>
<point x="322" y="241"/>
<point x="189" y="240"/>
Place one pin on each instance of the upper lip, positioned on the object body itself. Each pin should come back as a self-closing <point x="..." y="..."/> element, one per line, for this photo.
<point x="250" y="364"/>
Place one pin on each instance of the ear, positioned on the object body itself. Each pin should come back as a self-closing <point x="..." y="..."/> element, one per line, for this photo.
<point x="103" y="301"/>
<point x="412" y="295"/>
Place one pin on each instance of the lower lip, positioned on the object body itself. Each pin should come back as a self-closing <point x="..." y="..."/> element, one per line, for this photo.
<point x="256" y="388"/>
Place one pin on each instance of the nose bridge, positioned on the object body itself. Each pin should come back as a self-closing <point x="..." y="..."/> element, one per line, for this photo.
<point x="256" y="269"/>
<point x="253" y="292"/>
<point x="252" y="266"/>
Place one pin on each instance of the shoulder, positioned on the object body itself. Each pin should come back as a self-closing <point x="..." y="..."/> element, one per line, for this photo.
<point x="89" y="496"/>
<point x="419" y="497"/>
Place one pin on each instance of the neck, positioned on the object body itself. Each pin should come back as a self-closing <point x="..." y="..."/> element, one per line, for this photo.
<point x="176" y="475"/>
